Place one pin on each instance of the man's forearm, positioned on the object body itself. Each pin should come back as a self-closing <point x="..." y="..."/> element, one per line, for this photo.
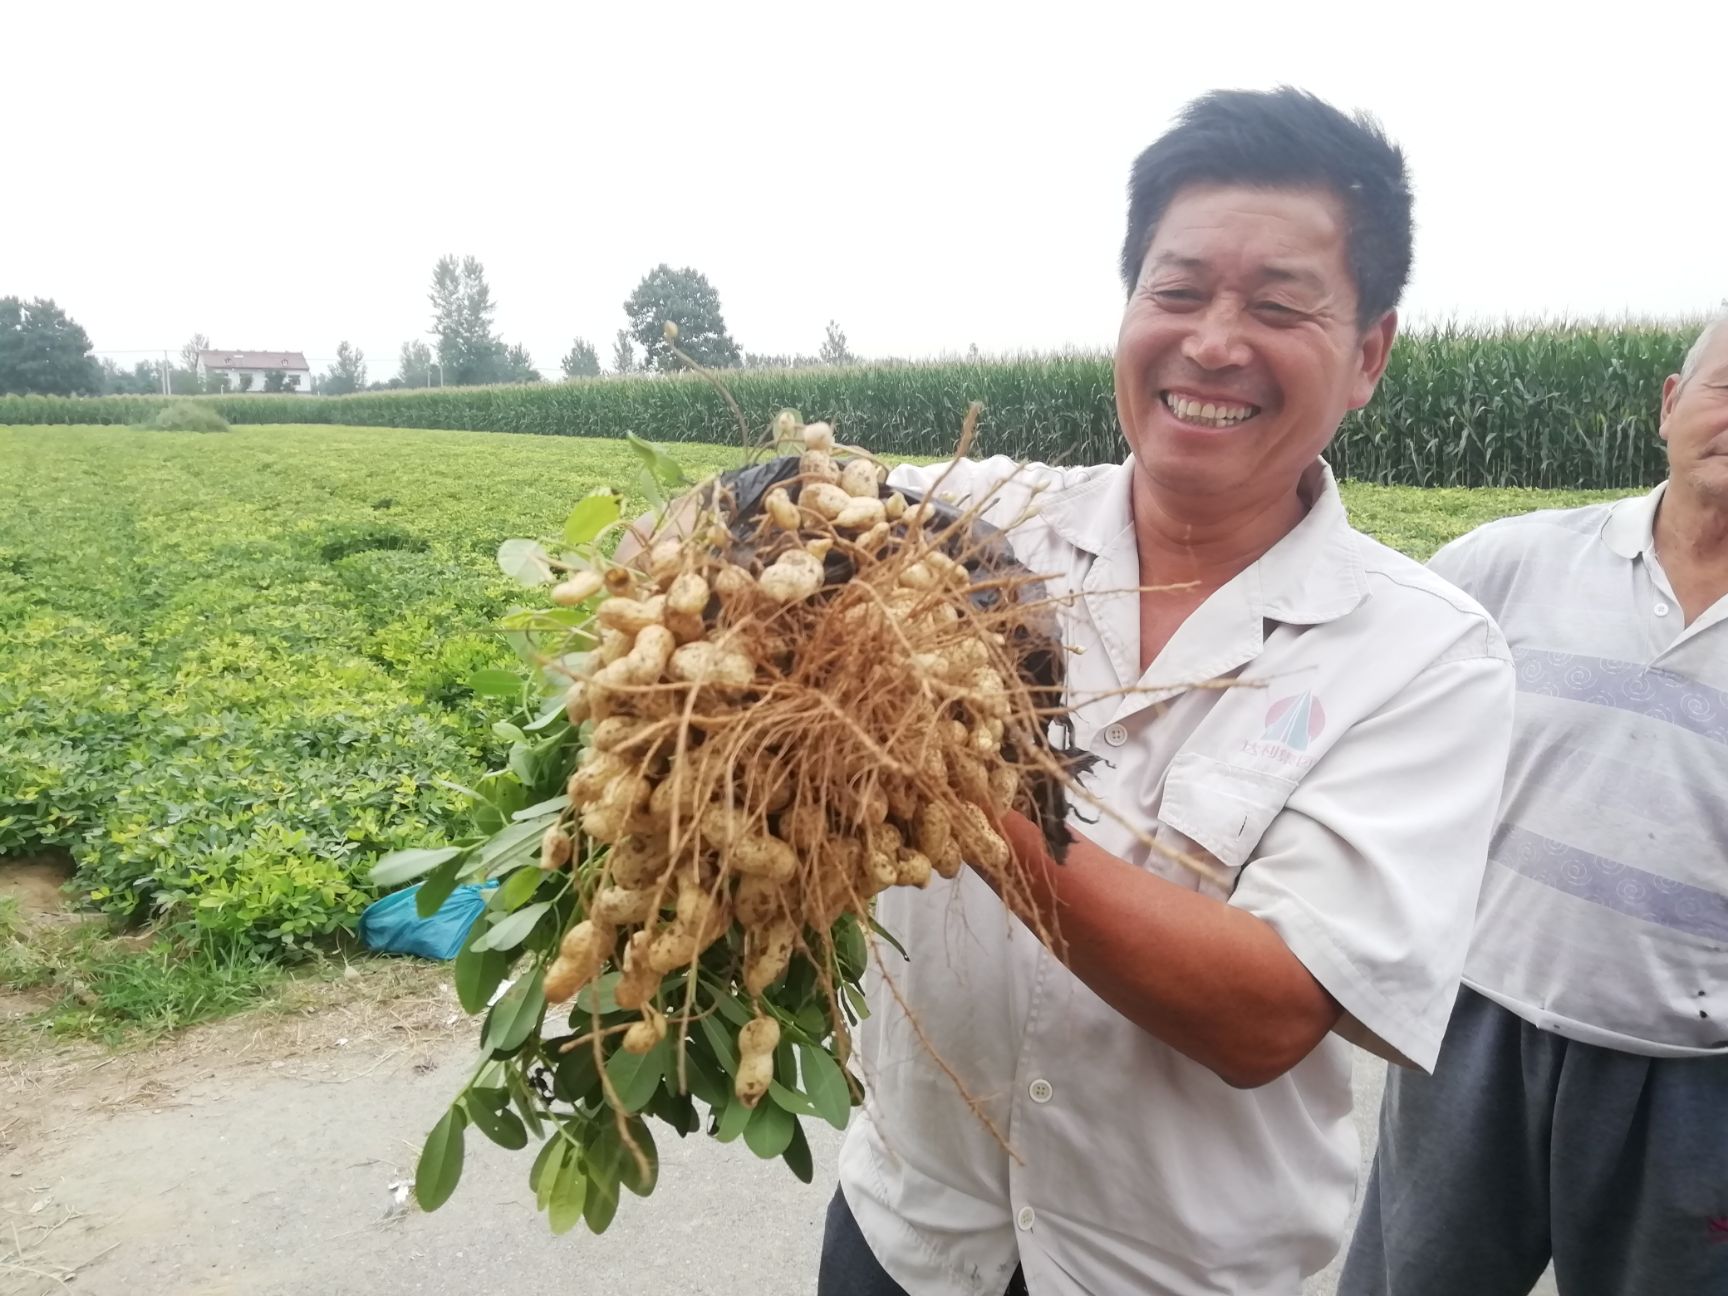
<point x="1214" y="982"/>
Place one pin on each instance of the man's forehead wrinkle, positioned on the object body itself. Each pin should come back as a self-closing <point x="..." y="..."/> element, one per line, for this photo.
<point x="1276" y="271"/>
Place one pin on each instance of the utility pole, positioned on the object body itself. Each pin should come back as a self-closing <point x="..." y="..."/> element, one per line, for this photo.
<point x="165" y="390"/>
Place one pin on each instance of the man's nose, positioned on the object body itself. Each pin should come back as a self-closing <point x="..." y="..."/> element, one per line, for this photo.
<point x="1216" y="340"/>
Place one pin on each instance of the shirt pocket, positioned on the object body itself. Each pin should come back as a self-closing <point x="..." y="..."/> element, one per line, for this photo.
<point x="1221" y="808"/>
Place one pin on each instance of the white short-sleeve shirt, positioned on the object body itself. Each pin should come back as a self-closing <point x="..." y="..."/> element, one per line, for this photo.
<point x="1347" y="789"/>
<point x="1604" y="913"/>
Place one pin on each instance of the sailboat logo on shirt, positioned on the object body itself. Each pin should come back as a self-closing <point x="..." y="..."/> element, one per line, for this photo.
<point x="1295" y="721"/>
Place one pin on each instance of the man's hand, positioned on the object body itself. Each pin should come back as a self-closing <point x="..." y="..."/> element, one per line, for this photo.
<point x="1212" y="981"/>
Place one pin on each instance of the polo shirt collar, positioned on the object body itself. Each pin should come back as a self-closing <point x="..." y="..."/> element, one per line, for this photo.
<point x="1630" y="530"/>
<point x="1311" y="576"/>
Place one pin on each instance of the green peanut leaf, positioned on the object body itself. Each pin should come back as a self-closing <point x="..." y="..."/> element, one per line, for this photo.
<point x="514" y="1017"/>
<point x="769" y="1132"/>
<point x="629" y="1173"/>
<point x="440" y="1166"/>
<point x="545" y="1170"/>
<point x="515" y="838"/>
<point x="568" y="1200"/>
<point x="577" y="1075"/>
<point x="499" y="1124"/>
<point x="637" y="1075"/>
<point x="797" y="1155"/>
<point x="516" y="890"/>
<point x="734" y="1119"/>
<point x="705" y="1083"/>
<point x="728" y="1007"/>
<point x="791" y="1100"/>
<point x="537" y="810"/>
<point x="478" y="974"/>
<point x="603" y="1170"/>
<point x="527" y="1105"/>
<point x="405" y="865"/>
<point x="590" y="517"/>
<point x="825" y="1082"/>
<point x="666" y="470"/>
<point x="598" y="996"/>
<point x="492" y="682"/>
<point x="525" y="562"/>
<point x="860" y="1005"/>
<point x="723" y="1043"/>
<point x="888" y="936"/>
<point x="438" y="887"/>
<point x="512" y="929"/>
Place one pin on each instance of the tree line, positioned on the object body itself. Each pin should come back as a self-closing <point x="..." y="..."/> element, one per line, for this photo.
<point x="43" y="350"/>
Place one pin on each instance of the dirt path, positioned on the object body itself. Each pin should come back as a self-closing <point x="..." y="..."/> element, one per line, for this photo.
<point x="269" y="1154"/>
<point x="264" y="1157"/>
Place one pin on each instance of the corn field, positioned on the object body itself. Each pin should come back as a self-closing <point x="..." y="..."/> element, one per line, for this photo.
<point x="1536" y="407"/>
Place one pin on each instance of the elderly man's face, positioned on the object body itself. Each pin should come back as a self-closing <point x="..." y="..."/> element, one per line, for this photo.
<point x="1695" y="423"/>
<point x="1239" y="351"/>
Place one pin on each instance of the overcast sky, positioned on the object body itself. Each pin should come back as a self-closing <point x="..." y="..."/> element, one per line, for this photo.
<point x="929" y="175"/>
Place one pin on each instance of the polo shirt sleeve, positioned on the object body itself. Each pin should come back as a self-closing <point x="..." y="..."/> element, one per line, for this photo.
<point x="971" y="479"/>
<point x="1455" y="561"/>
<point x="1371" y="872"/>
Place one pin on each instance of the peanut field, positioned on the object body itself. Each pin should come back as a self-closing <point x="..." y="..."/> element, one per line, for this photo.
<point x="228" y="661"/>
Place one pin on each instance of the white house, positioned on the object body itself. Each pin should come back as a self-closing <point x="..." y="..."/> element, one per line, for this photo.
<point x="235" y="365"/>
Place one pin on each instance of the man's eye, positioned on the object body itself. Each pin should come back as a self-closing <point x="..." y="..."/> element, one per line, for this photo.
<point x="1275" y="308"/>
<point x="1176" y="294"/>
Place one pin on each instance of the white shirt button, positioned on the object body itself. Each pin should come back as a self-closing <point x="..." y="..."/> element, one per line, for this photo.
<point x="1025" y="1219"/>
<point x="1661" y="609"/>
<point x="1116" y="735"/>
<point x="1041" y="1091"/>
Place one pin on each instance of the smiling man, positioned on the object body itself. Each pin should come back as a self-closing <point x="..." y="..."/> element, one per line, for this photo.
<point x="1579" y="1111"/>
<point x="1166" y="1108"/>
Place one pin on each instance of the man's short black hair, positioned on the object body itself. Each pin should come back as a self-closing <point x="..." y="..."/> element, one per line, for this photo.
<point x="1284" y="139"/>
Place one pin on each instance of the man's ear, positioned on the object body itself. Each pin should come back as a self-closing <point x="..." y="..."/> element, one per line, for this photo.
<point x="1670" y="393"/>
<point x="1375" y="349"/>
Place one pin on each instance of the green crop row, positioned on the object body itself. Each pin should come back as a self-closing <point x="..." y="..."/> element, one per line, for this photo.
<point x="235" y="668"/>
<point x="1527" y="407"/>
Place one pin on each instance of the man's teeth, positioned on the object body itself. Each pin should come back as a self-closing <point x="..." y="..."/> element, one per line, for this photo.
<point x="1209" y="413"/>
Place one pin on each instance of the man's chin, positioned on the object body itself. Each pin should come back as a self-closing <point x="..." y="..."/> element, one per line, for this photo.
<point x="1708" y="479"/>
<point x="1191" y="478"/>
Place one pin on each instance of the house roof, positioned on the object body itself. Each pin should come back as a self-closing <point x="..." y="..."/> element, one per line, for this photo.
<point x="254" y="360"/>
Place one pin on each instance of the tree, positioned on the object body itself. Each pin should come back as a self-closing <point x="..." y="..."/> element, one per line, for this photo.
<point x="834" y="350"/>
<point x="348" y="374"/>
<point x="44" y="350"/>
<point x="468" y="351"/>
<point x="516" y="366"/>
<point x="189" y="353"/>
<point x="144" y="379"/>
<point x="415" y="364"/>
<point x="685" y="298"/>
<point x="580" y="361"/>
<point x="245" y="381"/>
<point x="277" y="380"/>
<point x="623" y="353"/>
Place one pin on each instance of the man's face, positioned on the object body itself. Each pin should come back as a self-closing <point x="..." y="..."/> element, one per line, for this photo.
<point x="1239" y="350"/>
<point x="1695" y="423"/>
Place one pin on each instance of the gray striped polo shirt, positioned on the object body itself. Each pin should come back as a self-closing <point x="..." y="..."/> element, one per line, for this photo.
<point x="1604" y="911"/>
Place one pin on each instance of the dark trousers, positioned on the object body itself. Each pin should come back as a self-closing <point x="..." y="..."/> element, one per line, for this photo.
<point x="849" y="1268"/>
<point x="1524" y="1146"/>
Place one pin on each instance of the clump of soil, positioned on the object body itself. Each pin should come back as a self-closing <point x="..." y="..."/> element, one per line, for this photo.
<point x="37" y="883"/>
<point x="33" y="897"/>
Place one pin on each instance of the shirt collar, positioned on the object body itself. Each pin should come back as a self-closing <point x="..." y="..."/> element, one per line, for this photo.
<point x="1630" y="530"/>
<point x="1312" y="575"/>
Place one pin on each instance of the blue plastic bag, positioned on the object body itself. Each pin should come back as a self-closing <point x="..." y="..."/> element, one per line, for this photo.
<point x="393" y="925"/>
